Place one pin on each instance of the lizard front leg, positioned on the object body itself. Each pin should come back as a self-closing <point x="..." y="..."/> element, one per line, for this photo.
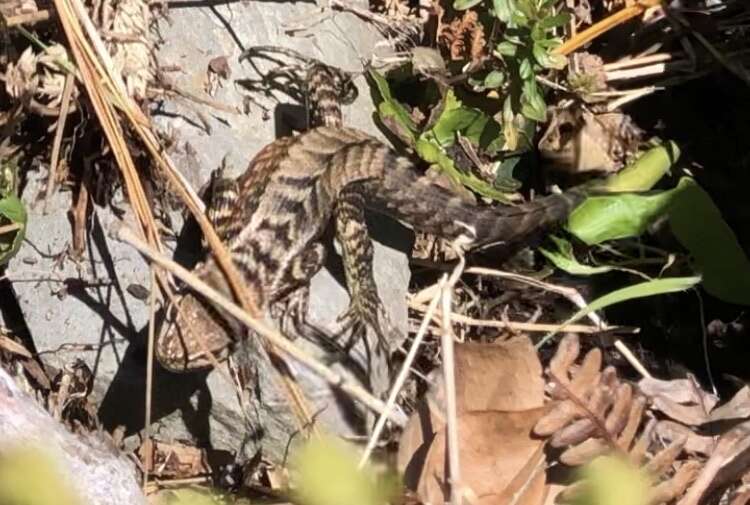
<point x="365" y="306"/>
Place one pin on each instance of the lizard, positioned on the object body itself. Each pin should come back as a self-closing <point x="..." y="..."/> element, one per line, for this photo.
<point x="272" y="218"/>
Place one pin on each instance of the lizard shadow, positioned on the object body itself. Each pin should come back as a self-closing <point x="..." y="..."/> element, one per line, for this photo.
<point x="124" y="401"/>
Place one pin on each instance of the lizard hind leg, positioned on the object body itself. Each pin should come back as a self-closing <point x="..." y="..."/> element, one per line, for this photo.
<point x="365" y="306"/>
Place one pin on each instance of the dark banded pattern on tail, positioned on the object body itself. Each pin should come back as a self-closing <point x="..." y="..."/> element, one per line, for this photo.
<point x="327" y="89"/>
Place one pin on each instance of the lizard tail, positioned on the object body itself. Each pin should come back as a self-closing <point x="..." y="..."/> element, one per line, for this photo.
<point x="415" y="200"/>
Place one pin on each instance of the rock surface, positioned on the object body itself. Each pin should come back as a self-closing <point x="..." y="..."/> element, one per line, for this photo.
<point x="89" y="302"/>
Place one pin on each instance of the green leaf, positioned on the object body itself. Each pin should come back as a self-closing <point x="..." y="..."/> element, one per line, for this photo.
<point x="494" y="79"/>
<point x="700" y="228"/>
<point x="503" y="171"/>
<point x="503" y="9"/>
<point x="391" y="112"/>
<point x="612" y="480"/>
<point x="526" y="8"/>
<point x="526" y="70"/>
<point x="454" y="117"/>
<point x="532" y="102"/>
<point x="12" y="212"/>
<point x="615" y="216"/>
<point x="319" y="460"/>
<point x="602" y="218"/>
<point x="550" y="22"/>
<point x="431" y="153"/>
<point x="641" y="290"/>
<point x="506" y="48"/>
<point x="475" y="125"/>
<point x="462" y="5"/>
<point x="564" y="259"/>
<point x="547" y="60"/>
<point x="646" y="171"/>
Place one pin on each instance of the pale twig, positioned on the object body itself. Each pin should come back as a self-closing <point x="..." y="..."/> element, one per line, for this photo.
<point x="634" y="95"/>
<point x="640" y="61"/>
<point x="28" y="18"/>
<point x="57" y="142"/>
<point x="149" y="369"/>
<point x="9" y="228"/>
<point x="280" y="343"/>
<point x="630" y="357"/>
<point x="403" y="373"/>
<point x="449" y="378"/>
<point x="522" y="326"/>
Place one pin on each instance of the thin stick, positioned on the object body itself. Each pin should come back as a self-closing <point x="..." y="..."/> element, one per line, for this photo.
<point x="27" y="19"/>
<point x="9" y="228"/>
<point x="635" y="95"/>
<point x="57" y="142"/>
<point x="403" y="373"/>
<point x="449" y="377"/>
<point x="124" y="234"/>
<point x="149" y="369"/>
<point x="525" y="327"/>
<point x="630" y="357"/>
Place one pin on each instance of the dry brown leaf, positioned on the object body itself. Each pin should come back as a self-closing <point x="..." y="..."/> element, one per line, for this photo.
<point x="415" y="441"/>
<point x="561" y="363"/>
<point x="668" y="490"/>
<point x="505" y="376"/>
<point x="678" y="390"/>
<point x="464" y="37"/>
<point x="498" y="458"/>
<point x="736" y="408"/>
<point x="696" y="444"/>
<point x="175" y="460"/>
<point x="690" y="415"/>
<point x="728" y="461"/>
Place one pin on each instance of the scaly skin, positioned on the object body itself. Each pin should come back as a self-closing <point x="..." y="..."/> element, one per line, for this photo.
<point x="284" y="201"/>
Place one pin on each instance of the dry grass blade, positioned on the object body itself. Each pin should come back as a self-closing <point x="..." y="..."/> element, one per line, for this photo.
<point x="59" y="129"/>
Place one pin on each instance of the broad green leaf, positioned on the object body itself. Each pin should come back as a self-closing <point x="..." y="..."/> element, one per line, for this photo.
<point x="527" y="8"/>
<point x="12" y="212"/>
<point x="698" y="225"/>
<point x="526" y="70"/>
<point x="462" y="5"/>
<point x="564" y="259"/>
<point x="550" y="22"/>
<point x="646" y="171"/>
<point x="532" y="102"/>
<point x="431" y="153"/>
<point x="506" y="48"/>
<point x="641" y="290"/>
<point x="327" y="474"/>
<point x="503" y="171"/>
<point x="547" y="60"/>
<point x="494" y="79"/>
<point x="454" y="118"/>
<point x="612" y="480"/>
<point x="612" y="217"/>
<point x="503" y="9"/>
<point x="391" y="112"/>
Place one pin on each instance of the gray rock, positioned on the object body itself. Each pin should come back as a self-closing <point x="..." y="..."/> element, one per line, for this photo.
<point x="88" y="465"/>
<point x="103" y="313"/>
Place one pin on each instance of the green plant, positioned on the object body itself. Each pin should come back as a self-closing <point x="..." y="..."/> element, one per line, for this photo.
<point x="525" y="50"/>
